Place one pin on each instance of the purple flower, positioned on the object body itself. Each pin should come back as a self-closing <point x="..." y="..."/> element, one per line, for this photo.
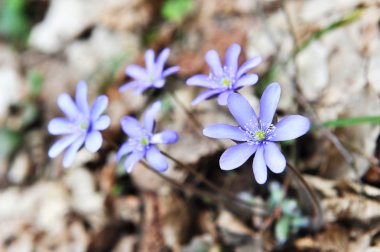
<point x="153" y="76"/>
<point x="257" y="134"/>
<point x="82" y="125"/>
<point x="224" y="80"/>
<point x="142" y="141"/>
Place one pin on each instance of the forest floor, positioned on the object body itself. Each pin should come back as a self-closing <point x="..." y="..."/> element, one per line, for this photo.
<point x="324" y="54"/>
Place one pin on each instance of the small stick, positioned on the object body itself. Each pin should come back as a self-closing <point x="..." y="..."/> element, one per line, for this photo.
<point x="192" y="117"/>
<point x="309" y="109"/>
<point x="318" y="220"/>
<point x="188" y="112"/>
<point x="199" y="192"/>
<point x="210" y="184"/>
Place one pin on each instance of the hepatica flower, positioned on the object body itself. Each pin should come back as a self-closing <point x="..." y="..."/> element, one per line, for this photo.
<point x="224" y="80"/>
<point x="152" y="76"/>
<point x="82" y="125"/>
<point x="257" y="134"/>
<point x="142" y="140"/>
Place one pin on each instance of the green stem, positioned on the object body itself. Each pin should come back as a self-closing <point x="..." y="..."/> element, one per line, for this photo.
<point x="343" y="122"/>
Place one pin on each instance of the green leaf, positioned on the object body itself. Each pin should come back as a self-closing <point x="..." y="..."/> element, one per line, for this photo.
<point x="247" y="197"/>
<point x="13" y="22"/>
<point x="30" y="114"/>
<point x="116" y="190"/>
<point x="9" y="142"/>
<point x="298" y="222"/>
<point x="176" y="10"/>
<point x="274" y="70"/>
<point x="34" y="82"/>
<point x="343" y="122"/>
<point x="289" y="206"/>
<point x="282" y="229"/>
<point x="345" y="20"/>
<point x="276" y="194"/>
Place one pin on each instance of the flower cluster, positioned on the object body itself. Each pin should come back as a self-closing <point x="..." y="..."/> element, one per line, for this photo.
<point x="153" y="76"/>
<point x="256" y="135"/>
<point x="82" y="125"/>
<point x="142" y="141"/>
<point x="224" y="80"/>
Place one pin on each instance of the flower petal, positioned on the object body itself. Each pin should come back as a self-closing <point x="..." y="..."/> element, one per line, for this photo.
<point x="150" y="115"/>
<point x="131" y="126"/>
<point x="236" y="155"/>
<point x="165" y="137"/>
<point x="269" y="101"/>
<point x="139" y="90"/>
<point x="61" y="145"/>
<point x="132" y="159"/>
<point x="291" y="127"/>
<point x="212" y="59"/>
<point x="241" y="110"/>
<point x="99" y="106"/>
<point x="81" y="97"/>
<point x="149" y="62"/>
<point x="102" y="123"/>
<point x="159" y="83"/>
<point x="205" y="95"/>
<point x="156" y="159"/>
<point x="259" y="167"/>
<point x="222" y="98"/>
<point x="246" y="80"/>
<point x="222" y="130"/>
<point x="125" y="149"/>
<point x="161" y="60"/>
<point x="71" y="151"/>
<point x="136" y="72"/>
<point x="201" y="80"/>
<point x="60" y="126"/>
<point x="274" y="159"/>
<point x="128" y="85"/>
<point x="248" y="65"/>
<point x="232" y="58"/>
<point x="94" y="141"/>
<point x="170" y="71"/>
<point x="67" y="105"/>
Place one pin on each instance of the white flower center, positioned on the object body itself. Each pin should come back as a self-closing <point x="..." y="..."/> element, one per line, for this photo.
<point x="225" y="79"/>
<point x="259" y="132"/>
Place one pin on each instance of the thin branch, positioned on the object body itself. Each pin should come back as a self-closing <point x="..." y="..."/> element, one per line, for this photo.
<point x="309" y="109"/>
<point x="211" y="185"/>
<point x="318" y="214"/>
<point x="192" y="117"/>
<point x="202" y="193"/>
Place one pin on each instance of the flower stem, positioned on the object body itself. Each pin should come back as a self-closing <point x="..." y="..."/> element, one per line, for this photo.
<point x="318" y="214"/>
<point x="210" y="184"/>
<point x="193" y="118"/>
<point x="187" y="111"/>
<point x="202" y="193"/>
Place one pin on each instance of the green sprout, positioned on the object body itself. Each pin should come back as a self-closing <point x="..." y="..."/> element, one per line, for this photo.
<point x="291" y="219"/>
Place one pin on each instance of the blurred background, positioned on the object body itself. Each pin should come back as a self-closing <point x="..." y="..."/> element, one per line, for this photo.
<point x="326" y="56"/>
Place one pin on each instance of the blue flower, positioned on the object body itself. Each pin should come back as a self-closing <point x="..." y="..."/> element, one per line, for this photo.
<point x="224" y="80"/>
<point x="82" y="125"/>
<point x="142" y="141"/>
<point x="257" y="134"/>
<point x="153" y="76"/>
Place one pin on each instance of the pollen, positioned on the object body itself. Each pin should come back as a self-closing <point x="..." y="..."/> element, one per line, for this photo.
<point x="144" y="141"/>
<point x="259" y="135"/>
<point x="226" y="82"/>
<point x="84" y="125"/>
